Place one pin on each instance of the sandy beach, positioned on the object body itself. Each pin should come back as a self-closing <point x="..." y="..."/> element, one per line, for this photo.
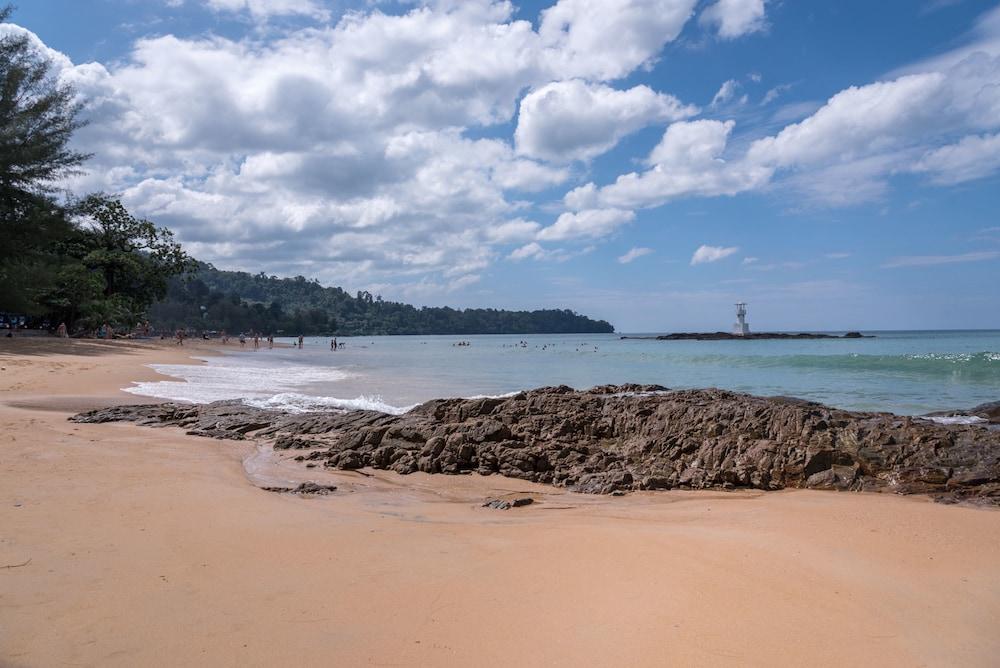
<point x="124" y="545"/>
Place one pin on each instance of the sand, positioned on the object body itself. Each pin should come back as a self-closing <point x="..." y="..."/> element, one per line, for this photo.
<point x="124" y="545"/>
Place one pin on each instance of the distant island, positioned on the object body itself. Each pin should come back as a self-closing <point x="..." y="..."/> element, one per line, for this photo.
<point x="727" y="336"/>
<point x="209" y="299"/>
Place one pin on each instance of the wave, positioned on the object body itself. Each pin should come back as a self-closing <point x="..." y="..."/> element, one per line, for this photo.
<point x="979" y="367"/>
<point x="200" y="384"/>
<point x="957" y="419"/>
<point x="292" y="402"/>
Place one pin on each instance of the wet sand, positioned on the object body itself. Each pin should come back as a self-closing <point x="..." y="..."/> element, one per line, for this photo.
<point x="123" y="545"/>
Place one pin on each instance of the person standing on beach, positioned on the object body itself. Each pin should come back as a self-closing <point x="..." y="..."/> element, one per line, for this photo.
<point x="256" y="341"/>
<point x="300" y="342"/>
<point x="61" y="331"/>
<point x="333" y="344"/>
<point x="243" y="340"/>
<point x="270" y="341"/>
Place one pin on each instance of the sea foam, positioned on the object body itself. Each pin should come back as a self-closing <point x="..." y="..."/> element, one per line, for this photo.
<point x="958" y="419"/>
<point x="217" y="381"/>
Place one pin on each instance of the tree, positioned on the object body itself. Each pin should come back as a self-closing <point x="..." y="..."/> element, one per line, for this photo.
<point x="38" y="116"/>
<point x="134" y="258"/>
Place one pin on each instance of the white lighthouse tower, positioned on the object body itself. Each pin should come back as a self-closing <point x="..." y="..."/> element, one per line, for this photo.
<point x="741" y="328"/>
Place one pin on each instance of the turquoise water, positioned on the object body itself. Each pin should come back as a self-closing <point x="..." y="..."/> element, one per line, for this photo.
<point x="905" y="372"/>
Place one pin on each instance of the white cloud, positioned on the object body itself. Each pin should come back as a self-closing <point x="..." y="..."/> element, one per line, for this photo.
<point x="263" y="9"/>
<point x="933" y="260"/>
<point x="750" y="260"/>
<point x="727" y="91"/>
<point x="530" y="250"/>
<point x="706" y="254"/>
<point x="844" y="153"/>
<point x="734" y="18"/>
<point x="607" y="39"/>
<point x="343" y="151"/>
<point x="587" y="224"/>
<point x="574" y="120"/>
<point x="774" y="93"/>
<point x="514" y="231"/>
<point x="634" y="254"/>
<point x="687" y="161"/>
<point x="973" y="157"/>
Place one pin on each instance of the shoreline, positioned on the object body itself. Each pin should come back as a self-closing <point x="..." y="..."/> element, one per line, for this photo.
<point x="147" y="546"/>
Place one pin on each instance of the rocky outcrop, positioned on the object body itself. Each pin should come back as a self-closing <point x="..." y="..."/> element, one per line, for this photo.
<point x="620" y="438"/>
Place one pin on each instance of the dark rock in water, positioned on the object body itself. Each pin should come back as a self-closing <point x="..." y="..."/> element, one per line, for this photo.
<point x="622" y="438"/>
<point x="304" y="488"/>
<point x="989" y="412"/>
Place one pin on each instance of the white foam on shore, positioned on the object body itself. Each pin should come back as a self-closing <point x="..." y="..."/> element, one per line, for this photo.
<point x="293" y="402"/>
<point x="958" y="419"/>
<point x="201" y="384"/>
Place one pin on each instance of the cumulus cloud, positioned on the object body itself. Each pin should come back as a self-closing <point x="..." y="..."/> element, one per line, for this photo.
<point x="578" y="33"/>
<point x="706" y="254"/>
<point x="687" y="161"/>
<point x="530" y="250"/>
<point x="343" y="151"/>
<point x="587" y="224"/>
<point x="734" y="18"/>
<point x="376" y="150"/>
<point x="972" y="157"/>
<point x="634" y="254"/>
<point x="844" y="152"/>
<point x="574" y="120"/>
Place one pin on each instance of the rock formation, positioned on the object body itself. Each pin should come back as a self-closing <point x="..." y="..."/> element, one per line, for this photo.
<point x="621" y="438"/>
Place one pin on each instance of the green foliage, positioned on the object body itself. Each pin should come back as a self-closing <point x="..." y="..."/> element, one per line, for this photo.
<point x="111" y="267"/>
<point x="237" y="301"/>
<point x="38" y="116"/>
<point x="37" y="119"/>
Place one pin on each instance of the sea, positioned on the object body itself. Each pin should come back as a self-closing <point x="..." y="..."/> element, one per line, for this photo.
<point x="905" y="372"/>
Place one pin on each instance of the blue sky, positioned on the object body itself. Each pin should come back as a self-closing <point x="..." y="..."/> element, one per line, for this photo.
<point x="836" y="165"/>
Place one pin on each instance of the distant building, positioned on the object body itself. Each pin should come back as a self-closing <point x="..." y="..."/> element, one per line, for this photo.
<point x="741" y="328"/>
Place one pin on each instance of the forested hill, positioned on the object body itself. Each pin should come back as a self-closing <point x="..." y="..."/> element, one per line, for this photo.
<point x="235" y="301"/>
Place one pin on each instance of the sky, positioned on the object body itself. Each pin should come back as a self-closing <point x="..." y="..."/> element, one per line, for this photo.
<point x="650" y="162"/>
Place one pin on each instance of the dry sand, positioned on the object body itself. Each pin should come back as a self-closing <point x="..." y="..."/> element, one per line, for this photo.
<point x="144" y="547"/>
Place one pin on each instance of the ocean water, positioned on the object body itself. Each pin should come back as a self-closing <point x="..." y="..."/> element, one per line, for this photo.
<point x="906" y="372"/>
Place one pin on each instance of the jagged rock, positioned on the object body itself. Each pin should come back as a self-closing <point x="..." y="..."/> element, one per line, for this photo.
<point x="313" y="488"/>
<point x="503" y="504"/>
<point x="287" y="442"/>
<point x="627" y="437"/>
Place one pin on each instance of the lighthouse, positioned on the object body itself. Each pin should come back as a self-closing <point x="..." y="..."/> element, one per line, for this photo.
<point x="741" y="328"/>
